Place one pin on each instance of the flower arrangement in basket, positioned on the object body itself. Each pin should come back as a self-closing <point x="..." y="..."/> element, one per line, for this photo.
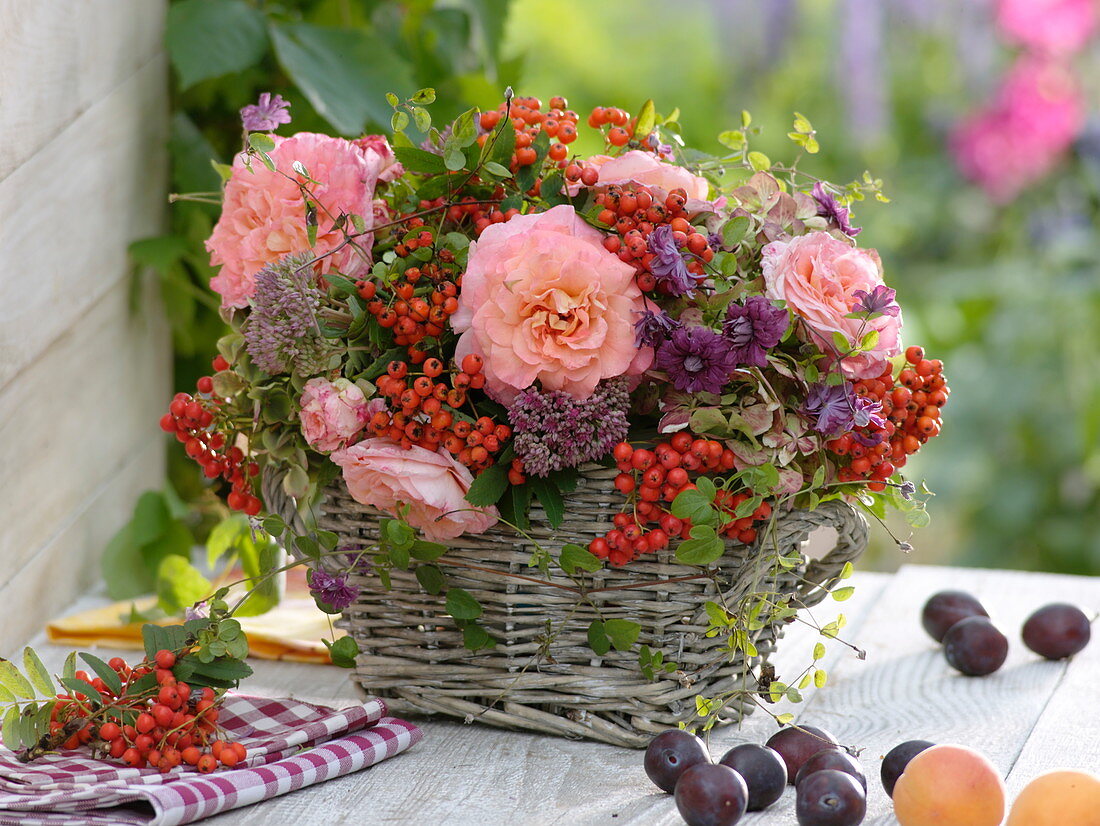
<point x="550" y="430"/>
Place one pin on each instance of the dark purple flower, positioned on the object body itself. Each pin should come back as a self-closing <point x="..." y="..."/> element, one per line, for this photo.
<point x="653" y="328"/>
<point x="828" y="207"/>
<point x="266" y="114"/>
<point x="668" y="264"/>
<point x="754" y="328"/>
<point x="697" y="359"/>
<point x="839" y="409"/>
<point x="332" y="589"/>
<point x="553" y="430"/>
<point x="880" y="301"/>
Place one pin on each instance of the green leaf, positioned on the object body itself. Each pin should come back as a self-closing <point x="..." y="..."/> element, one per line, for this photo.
<point x="732" y="139"/>
<point x="846" y="571"/>
<point x="494" y="168"/>
<point x="343" y="651"/>
<point x="261" y="142"/>
<point x="734" y="230"/>
<point x="124" y="568"/>
<point x="476" y="638"/>
<point x="869" y="340"/>
<point x="399" y="121"/>
<point x="550" y="498"/>
<point x="819" y="650"/>
<point x="417" y="160"/>
<point x="220" y="673"/>
<point x="841" y="343"/>
<point x="488" y="486"/>
<point x="10" y="729"/>
<point x="693" y="505"/>
<point x="83" y="687"/>
<point x="104" y="672"/>
<point x="463" y="130"/>
<point x="759" y="161"/>
<point x="622" y="633"/>
<point x="344" y="72"/>
<point x="573" y="557"/>
<point x="820" y="678"/>
<point x="461" y="605"/>
<point x="179" y="584"/>
<point x="6" y="696"/>
<point x="431" y="578"/>
<point x="36" y="671"/>
<point x="646" y="121"/>
<point x="209" y="38"/>
<point x="703" y="549"/>
<point x="842" y="594"/>
<point x="427" y="551"/>
<point x="453" y="158"/>
<point x="918" y="518"/>
<point x="424" y="97"/>
<point x="14" y="681"/>
<point x="597" y="638"/>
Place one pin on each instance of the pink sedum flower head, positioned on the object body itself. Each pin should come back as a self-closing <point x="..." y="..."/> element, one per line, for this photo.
<point x="264" y="218"/>
<point x="382" y="474"/>
<point x="818" y="276"/>
<point x="333" y="413"/>
<point x="1022" y="136"/>
<point x="543" y="300"/>
<point x="1052" y="26"/>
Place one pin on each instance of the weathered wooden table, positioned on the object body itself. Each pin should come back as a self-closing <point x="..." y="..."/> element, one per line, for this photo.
<point x="1029" y="717"/>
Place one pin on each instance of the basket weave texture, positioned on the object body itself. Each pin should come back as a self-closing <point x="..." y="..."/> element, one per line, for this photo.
<point x="413" y="653"/>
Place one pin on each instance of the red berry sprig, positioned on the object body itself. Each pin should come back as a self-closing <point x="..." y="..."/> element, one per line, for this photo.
<point x="163" y="726"/>
<point x="912" y="409"/>
<point x="652" y="479"/>
<point x="192" y="419"/>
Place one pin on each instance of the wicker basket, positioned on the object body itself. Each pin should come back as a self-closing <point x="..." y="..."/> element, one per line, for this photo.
<point x="413" y="655"/>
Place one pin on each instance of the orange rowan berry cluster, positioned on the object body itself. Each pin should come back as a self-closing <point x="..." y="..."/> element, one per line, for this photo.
<point x="620" y="126"/>
<point x="163" y="726"/>
<point x="191" y="418"/>
<point x="417" y="415"/>
<point x="559" y="123"/>
<point x="652" y="477"/>
<point x="911" y="407"/>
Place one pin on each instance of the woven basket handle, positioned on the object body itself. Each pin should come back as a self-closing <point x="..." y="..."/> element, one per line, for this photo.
<point x="851" y="541"/>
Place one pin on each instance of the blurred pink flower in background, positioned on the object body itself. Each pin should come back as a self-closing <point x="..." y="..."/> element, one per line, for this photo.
<point x="264" y="218"/>
<point x="1018" y="139"/>
<point x="1053" y="26"/>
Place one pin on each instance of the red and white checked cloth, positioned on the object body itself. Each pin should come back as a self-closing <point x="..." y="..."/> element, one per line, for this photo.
<point x="290" y="745"/>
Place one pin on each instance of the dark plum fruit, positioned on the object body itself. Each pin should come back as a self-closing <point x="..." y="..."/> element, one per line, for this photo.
<point x="1057" y="631"/>
<point x="763" y="771"/>
<point x="830" y="798"/>
<point x="895" y="761"/>
<point x="975" y="647"/>
<point x="945" y="609"/>
<point x="709" y="794"/>
<point x="797" y="744"/>
<point x="834" y="759"/>
<point x="670" y="754"/>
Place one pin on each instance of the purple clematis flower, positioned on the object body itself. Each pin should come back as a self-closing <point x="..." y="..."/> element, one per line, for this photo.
<point x="697" y="359"/>
<point x="266" y="114"/>
<point x="754" y="328"/>
<point x="668" y="264"/>
<point x="332" y="589"/>
<point x="651" y="329"/>
<point x="828" y="207"/>
<point x="838" y="409"/>
<point x="880" y="301"/>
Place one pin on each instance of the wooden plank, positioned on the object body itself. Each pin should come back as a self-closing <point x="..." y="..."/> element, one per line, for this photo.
<point x="75" y="419"/>
<point x="62" y="570"/>
<point x="69" y="212"/>
<point x="58" y="59"/>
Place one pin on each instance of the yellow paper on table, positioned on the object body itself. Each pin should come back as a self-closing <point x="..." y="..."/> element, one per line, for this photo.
<point x="291" y="631"/>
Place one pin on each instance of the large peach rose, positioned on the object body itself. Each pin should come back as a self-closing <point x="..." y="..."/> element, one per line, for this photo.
<point x="644" y="168"/>
<point x="431" y="484"/>
<point x="264" y="217"/>
<point x="818" y="276"/>
<point x="542" y="300"/>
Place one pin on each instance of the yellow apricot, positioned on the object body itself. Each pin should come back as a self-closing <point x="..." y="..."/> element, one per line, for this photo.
<point x="1058" y="798"/>
<point x="949" y="786"/>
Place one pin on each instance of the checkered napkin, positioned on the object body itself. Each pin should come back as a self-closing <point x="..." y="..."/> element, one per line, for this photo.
<point x="290" y="745"/>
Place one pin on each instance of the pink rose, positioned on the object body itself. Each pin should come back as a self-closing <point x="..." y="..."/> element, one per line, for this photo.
<point x="264" y="217"/>
<point x="542" y="299"/>
<point x="644" y="168"/>
<point x="332" y="413"/>
<point x="380" y="473"/>
<point x="1057" y="26"/>
<point x="380" y="155"/>
<point x="818" y="276"/>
